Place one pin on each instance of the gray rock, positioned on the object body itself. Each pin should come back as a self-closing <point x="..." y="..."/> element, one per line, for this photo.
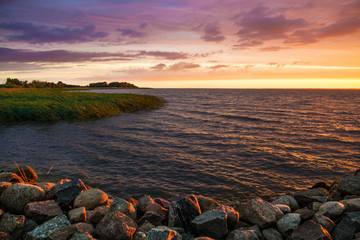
<point x="157" y="208"/>
<point x="82" y="236"/>
<point x="125" y="207"/>
<point x="44" y="230"/>
<point x="304" y="197"/>
<point x="344" y="230"/>
<point x="163" y="233"/>
<point x="242" y="235"/>
<point x="284" y="208"/>
<point x="350" y="185"/>
<point x="116" y="226"/>
<point x="310" y="231"/>
<point x="162" y="202"/>
<point x="305" y="213"/>
<point x="77" y="215"/>
<point x="152" y="217"/>
<point x="254" y="228"/>
<point x="4" y="185"/>
<point x="29" y="225"/>
<point x="42" y="211"/>
<point x="287" y="200"/>
<point x="27" y="173"/>
<point x="207" y="203"/>
<point x="271" y="234"/>
<point x="63" y="233"/>
<point x="15" y="197"/>
<point x="212" y="223"/>
<point x="351" y="205"/>
<point x="288" y="223"/>
<point x="67" y="191"/>
<point x="332" y="209"/>
<point x="10" y="177"/>
<point x="90" y="199"/>
<point x="5" y="236"/>
<point x="49" y="188"/>
<point x="183" y="211"/>
<point x="203" y="238"/>
<point x="12" y="224"/>
<point x="232" y="215"/>
<point x="98" y="214"/>
<point x="262" y="213"/>
<point x="324" y="221"/>
<point x="143" y="202"/>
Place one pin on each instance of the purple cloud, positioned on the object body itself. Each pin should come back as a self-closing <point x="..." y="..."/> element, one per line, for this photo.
<point x="31" y="33"/>
<point x="158" y="67"/>
<point x="212" y="33"/>
<point x="219" y="66"/>
<point x="131" y="33"/>
<point x="180" y="66"/>
<point x="166" y="55"/>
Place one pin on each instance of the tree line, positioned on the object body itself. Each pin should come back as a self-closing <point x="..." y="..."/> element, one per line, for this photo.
<point x="16" y="83"/>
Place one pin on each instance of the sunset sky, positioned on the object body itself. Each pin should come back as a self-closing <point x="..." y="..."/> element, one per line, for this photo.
<point x="183" y="43"/>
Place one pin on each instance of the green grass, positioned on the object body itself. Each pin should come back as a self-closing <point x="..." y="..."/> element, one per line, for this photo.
<point x="53" y="105"/>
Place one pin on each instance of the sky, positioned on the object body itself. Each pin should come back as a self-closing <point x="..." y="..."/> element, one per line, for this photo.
<point x="183" y="43"/>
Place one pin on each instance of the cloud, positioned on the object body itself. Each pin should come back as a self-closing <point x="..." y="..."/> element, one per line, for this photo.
<point x="212" y="33"/>
<point x="131" y="33"/>
<point x="183" y="66"/>
<point x="158" y="67"/>
<point x="165" y="55"/>
<point x="219" y="66"/>
<point x="31" y="33"/>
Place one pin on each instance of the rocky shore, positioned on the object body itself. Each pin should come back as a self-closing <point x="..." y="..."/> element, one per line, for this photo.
<point x="69" y="209"/>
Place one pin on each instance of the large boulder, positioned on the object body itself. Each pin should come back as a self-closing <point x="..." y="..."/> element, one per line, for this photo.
<point x="27" y="173"/>
<point x="305" y="213"/>
<point x="332" y="209"/>
<point x="351" y="205"/>
<point x="287" y="200"/>
<point x="77" y="215"/>
<point x="310" y="231"/>
<point x="49" y="188"/>
<point x="44" y="230"/>
<point x="143" y="202"/>
<point x="242" y="235"/>
<point x="91" y="199"/>
<point x="42" y="211"/>
<point x="288" y="223"/>
<point x="98" y="214"/>
<point x="304" y="197"/>
<point x="182" y="211"/>
<point x="262" y="213"/>
<point x="212" y="223"/>
<point x="347" y="227"/>
<point x="153" y="217"/>
<point x="232" y="215"/>
<point x="324" y="221"/>
<point x="350" y="185"/>
<point x="15" y="197"/>
<point x="12" y="224"/>
<point x="116" y="226"/>
<point x="68" y="190"/>
<point x="207" y="203"/>
<point x="271" y="234"/>
<point x="125" y="207"/>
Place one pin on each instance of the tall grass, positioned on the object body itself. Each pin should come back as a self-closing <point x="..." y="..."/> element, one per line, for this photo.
<point x="53" y="105"/>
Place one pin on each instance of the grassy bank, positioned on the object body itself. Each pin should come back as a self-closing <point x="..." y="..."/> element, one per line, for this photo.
<point x="53" y="105"/>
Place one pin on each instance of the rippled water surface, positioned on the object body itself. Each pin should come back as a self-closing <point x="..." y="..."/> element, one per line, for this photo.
<point x="228" y="144"/>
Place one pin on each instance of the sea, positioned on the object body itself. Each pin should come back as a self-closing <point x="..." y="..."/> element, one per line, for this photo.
<point x="229" y="144"/>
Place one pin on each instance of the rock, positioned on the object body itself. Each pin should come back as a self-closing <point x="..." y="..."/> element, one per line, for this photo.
<point x="288" y="223"/>
<point x="305" y="197"/>
<point x="324" y="221"/>
<point x="29" y="225"/>
<point x="82" y="236"/>
<point x="77" y="215"/>
<point x="332" y="209"/>
<point x="284" y="208"/>
<point x="10" y="177"/>
<point x="203" y="238"/>
<point x="351" y="205"/>
<point x="350" y="185"/>
<point x="49" y="188"/>
<point x="145" y="227"/>
<point x="98" y="214"/>
<point x="165" y="204"/>
<point x="4" y="185"/>
<point x="125" y="207"/>
<point x="63" y="233"/>
<point x="91" y="199"/>
<point x="347" y="227"/>
<point x="305" y="213"/>
<point x="67" y="191"/>
<point x="143" y="202"/>
<point x="116" y="226"/>
<point x="27" y="173"/>
<point x="5" y="236"/>
<point x="156" y="208"/>
<point x="138" y="235"/>
<point x="287" y="200"/>
<point x="261" y="213"/>
<point x="315" y="206"/>
<point x="212" y="223"/>
<point x="12" y="224"/>
<point x="162" y="234"/>
<point x="232" y="215"/>
<point x="310" y="231"/>
<point x="15" y="197"/>
<point x="256" y="229"/>
<point x="242" y="235"/>
<point x="207" y="203"/>
<point x="42" y="211"/>
<point x="44" y="230"/>
<point x="321" y="185"/>
<point x="84" y="227"/>
<point x="182" y="211"/>
<point x="271" y="234"/>
<point x="152" y="217"/>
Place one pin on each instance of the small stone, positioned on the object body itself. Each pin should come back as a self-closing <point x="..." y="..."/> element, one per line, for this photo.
<point x="310" y="231"/>
<point x="271" y="234"/>
<point x="125" y="207"/>
<point x="287" y="200"/>
<point x="68" y="190"/>
<point x="350" y="185"/>
<point x="212" y="223"/>
<point x="15" y="197"/>
<point x="305" y="213"/>
<point x="324" y="221"/>
<point x="207" y="203"/>
<point x="10" y="177"/>
<point x="82" y="236"/>
<point x="91" y="199"/>
<point x="351" y="205"/>
<point x="116" y="226"/>
<point x="27" y="173"/>
<point x="232" y="215"/>
<point x="162" y="234"/>
<point x="98" y="214"/>
<point x="12" y="224"/>
<point x="288" y="223"/>
<point x="242" y="235"/>
<point x="44" y="230"/>
<point x="77" y="215"/>
<point x="332" y="209"/>
<point x="261" y="213"/>
<point x="42" y="211"/>
<point x="284" y="208"/>
<point x="316" y="206"/>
